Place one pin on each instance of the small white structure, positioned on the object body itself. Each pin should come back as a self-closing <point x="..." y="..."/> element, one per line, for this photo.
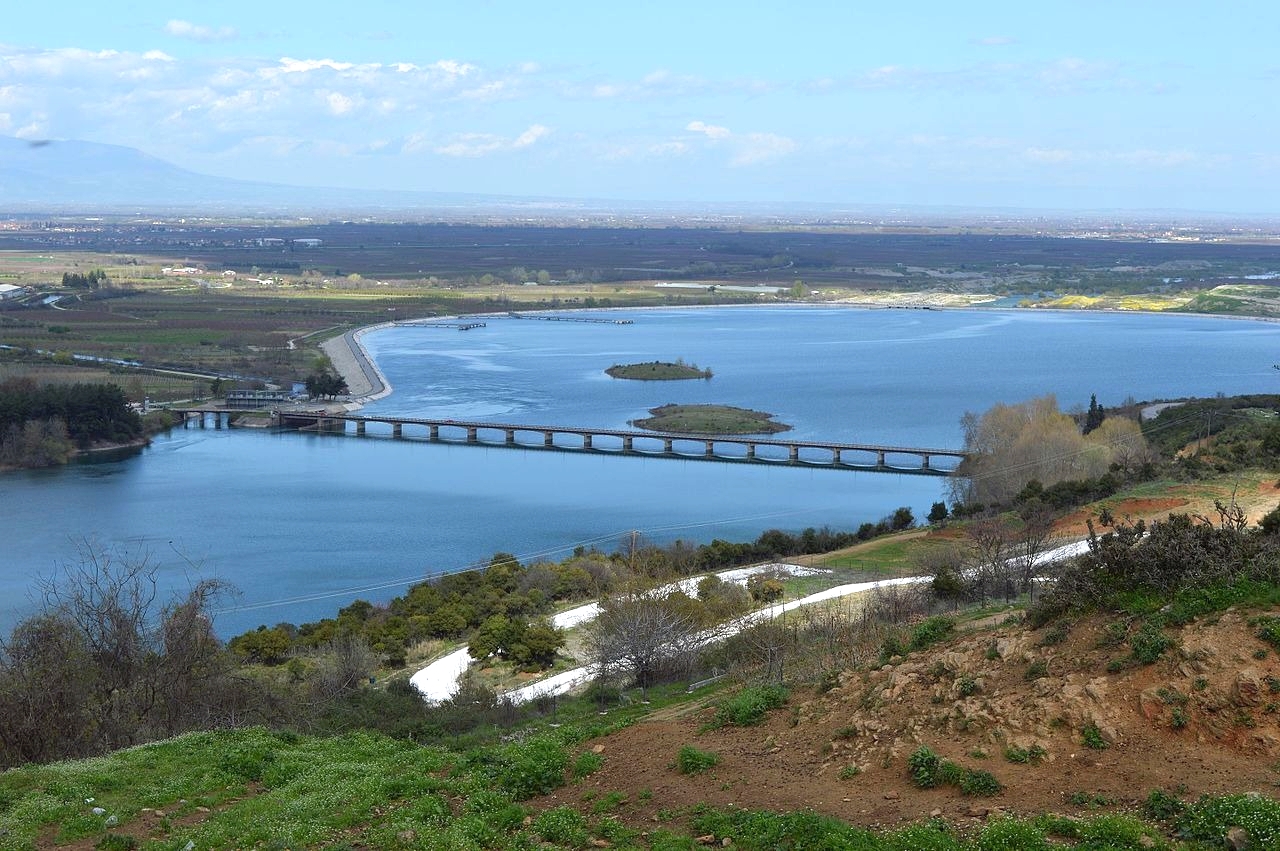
<point x="8" y="291"/>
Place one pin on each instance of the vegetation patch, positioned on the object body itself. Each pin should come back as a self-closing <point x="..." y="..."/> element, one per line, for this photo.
<point x="691" y="760"/>
<point x="658" y="371"/>
<point x="748" y="707"/>
<point x="928" y="770"/>
<point x="710" y="419"/>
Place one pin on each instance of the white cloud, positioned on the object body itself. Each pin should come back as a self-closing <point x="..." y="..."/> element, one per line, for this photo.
<point x="198" y="32"/>
<point x="473" y="145"/>
<point x="528" y="137"/>
<point x="711" y="131"/>
<point x="288" y="65"/>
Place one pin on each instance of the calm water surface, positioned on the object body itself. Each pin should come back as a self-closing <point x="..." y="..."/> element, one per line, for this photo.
<point x="302" y="524"/>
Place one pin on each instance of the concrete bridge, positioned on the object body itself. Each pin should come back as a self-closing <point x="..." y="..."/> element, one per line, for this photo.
<point x="649" y="444"/>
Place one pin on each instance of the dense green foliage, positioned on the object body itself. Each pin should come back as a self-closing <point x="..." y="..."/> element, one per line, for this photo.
<point x="453" y="605"/>
<point x="91" y="280"/>
<point x="41" y="425"/>
<point x="658" y="371"/>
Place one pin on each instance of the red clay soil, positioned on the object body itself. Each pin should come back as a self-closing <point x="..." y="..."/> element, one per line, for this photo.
<point x="1204" y="719"/>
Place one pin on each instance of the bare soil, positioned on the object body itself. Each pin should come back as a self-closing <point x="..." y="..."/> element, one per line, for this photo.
<point x="1202" y="720"/>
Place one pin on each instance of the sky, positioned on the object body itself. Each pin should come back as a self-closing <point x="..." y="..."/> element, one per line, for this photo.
<point x="1119" y="105"/>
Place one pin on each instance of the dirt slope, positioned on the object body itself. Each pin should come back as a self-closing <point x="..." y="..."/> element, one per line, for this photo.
<point x="1203" y="719"/>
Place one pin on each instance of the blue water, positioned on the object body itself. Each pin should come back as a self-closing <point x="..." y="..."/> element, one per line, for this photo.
<point x="303" y="524"/>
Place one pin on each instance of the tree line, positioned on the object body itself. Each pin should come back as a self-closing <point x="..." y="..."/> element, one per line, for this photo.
<point x="40" y="426"/>
<point x="451" y="606"/>
<point x="93" y="280"/>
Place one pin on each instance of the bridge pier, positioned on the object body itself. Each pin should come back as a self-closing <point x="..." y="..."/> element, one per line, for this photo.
<point x="667" y="449"/>
<point x="751" y="450"/>
<point x="217" y="420"/>
<point x="360" y="428"/>
<point x="793" y="453"/>
<point x="586" y="441"/>
<point x="711" y="448"/>
<point x="627" y="444"/>
<point x="435" y="432"/>
<point x="835" y="456"/>
<point x="548" y="438"/>
<point x="472" y="436"/>
<point x="880" y="458"/>
<point x="511" y="437"/>
<point x="397" y="429"/>
<point x="924" y="462"/>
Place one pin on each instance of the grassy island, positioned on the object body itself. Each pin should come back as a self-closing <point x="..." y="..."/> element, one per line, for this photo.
<point x="658" y="371"/>
<point x="710" y="419"/>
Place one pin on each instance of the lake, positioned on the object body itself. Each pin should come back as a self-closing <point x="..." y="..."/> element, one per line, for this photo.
<point x="304" y="524"/>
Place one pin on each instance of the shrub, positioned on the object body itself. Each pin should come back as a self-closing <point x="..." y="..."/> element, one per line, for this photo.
<point x="931" y="630"/>
<point x="967" y="686"/>
<point x="1037" y="669"/>
<point x="749" y="706"/>
<point x="690" y="760"/>
<point x="1268" y="630"/>
<point x="849" y="772"/>
<point x="975" y="781"/>
<point x="1056" y="635"/>
<point x="925" y="767"/>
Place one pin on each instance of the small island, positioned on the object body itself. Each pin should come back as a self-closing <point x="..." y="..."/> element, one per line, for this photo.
<point x="710" y="419"/>
<point x="658" y="371"/>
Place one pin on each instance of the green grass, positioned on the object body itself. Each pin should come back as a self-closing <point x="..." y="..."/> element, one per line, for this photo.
<point x="657" y="371"/>
<point x="710" y="419"/>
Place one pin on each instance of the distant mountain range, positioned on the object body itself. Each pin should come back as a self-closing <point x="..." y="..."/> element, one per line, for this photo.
<point x="83" y="176"/>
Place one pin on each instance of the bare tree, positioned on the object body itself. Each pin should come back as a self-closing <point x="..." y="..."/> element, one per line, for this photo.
<point x="990" y="539"/>
<point x="1034" y="539"/>
<point x="640" y="632"/>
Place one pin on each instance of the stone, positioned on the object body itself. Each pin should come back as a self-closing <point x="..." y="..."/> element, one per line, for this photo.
<point x="891" y="796"/>
<point x="598" y="749"/>
<point x="408" y="837"/>
<point x="99" y="811"/>
<point x="1237" y="839"/>
<point x="1247" y="689"/>
<point x="706" y="839"/>
<point x="601" y="843"/>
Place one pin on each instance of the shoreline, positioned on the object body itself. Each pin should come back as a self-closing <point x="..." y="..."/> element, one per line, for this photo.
<point x="365" y="380"/>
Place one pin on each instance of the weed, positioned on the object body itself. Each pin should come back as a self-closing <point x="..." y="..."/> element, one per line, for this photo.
<point x="975" y="781"/>
<point x="587" y="763"/>
<point x="1273" y="683"/>
<point x="846" y="733"/>
<point x="939" y="670"/>
<point x="993" y="651"/>
<point x="849" y="772"/>
<point x="1036" y="670"/>
<point x="564" y="825"/>
<point x="1178" y="718"/>
<point x="609" y="802"/>
<point x="1171" y="696"/>
<point x="1209" y="819"/>
<point x="1260" y="653"/>
<point x="1149" y="644"/>
<point x="1092" y="737"/>
<point x="1162" y="806"/>
<point x="644" y="795"/>
<point x="1056" y="635"/>
<point x="749" y="706"/>
<point x="1025" y="756"/>
<point x="979" y="753"/>
<point x="1115" y="666"/>
<point x="1200" y="683"/>
<point x="1114" y="634"/>
<point x="1244" y="719"/>
<point x="827" y="682"/>
<point x="931" y="631"/>
<point x="690" y="760"/>
<point x="116" y="842"/>
<point x="967" y="686"/>
<point x="1085" y="799"/>
<point x="1268" y="629"/>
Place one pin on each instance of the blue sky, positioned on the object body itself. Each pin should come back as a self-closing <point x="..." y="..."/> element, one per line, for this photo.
<point x="1083" y="105"/>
